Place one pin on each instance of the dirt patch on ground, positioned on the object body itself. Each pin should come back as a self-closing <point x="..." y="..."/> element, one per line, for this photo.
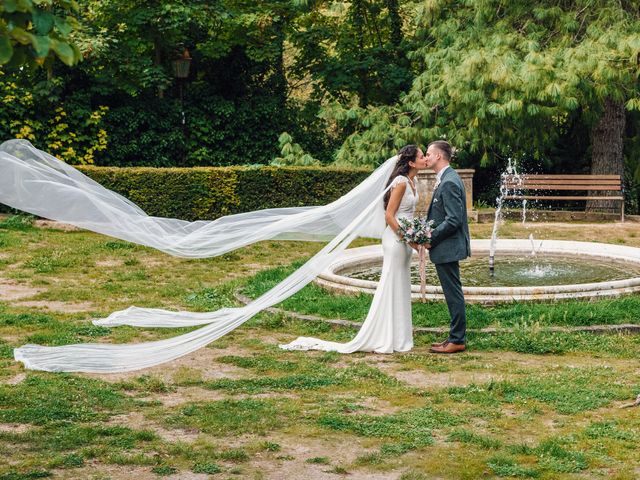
<point x="428" y="380"/>
<point x="16" y="379"/>
<point x="291" y="460"/>
<point x="203" y="360"/>
<point x="152" y="262"/>
<point x="137" y="421"/>
<point x="374" y="407"/>
<point x="96" y="470"/>
<point x="56" y="225"/>
<point x="11" y="290"/>
<point x="14" y="427"/>
<point x="514" y="361"/>
<point x="190" y="394"/>
<point x="54" y="306"/>
<point x="109" y="263"/>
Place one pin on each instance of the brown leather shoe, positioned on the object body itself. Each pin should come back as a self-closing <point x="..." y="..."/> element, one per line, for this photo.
<point x="439" y="344"/>
<point x="448" y="348"/>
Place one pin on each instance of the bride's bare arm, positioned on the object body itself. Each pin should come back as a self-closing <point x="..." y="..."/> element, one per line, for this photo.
<point x="393" y="205"/>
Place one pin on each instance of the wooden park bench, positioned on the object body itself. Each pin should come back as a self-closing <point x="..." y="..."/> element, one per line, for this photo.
<point x="566" y="183"/>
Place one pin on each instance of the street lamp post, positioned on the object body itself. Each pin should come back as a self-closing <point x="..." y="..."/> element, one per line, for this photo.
<point x="181" y="72"/>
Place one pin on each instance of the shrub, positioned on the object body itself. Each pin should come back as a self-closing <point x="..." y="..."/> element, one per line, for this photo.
<point x="211" y="192"/>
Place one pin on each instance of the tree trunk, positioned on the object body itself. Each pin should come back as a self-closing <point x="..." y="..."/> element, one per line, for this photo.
<point x="607" y="150"/>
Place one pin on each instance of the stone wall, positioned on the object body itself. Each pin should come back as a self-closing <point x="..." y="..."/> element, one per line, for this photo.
<point x="426" y="181"/>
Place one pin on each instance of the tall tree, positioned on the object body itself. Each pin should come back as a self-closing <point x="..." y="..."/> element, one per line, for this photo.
<point x="499" y="77"/>
<point x="353" y="51"/>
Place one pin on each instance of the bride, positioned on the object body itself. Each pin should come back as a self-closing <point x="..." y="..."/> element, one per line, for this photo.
<point x="36" y="182"/>
<point x="387" y="327"/>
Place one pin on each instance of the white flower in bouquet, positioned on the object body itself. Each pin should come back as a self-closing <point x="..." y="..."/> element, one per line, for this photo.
<point x="418" y="230"/>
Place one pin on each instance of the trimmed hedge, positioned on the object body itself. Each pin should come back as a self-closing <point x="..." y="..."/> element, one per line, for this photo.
<point x="206" y="193"/>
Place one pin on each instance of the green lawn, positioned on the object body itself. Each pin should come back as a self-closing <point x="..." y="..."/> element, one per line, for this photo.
<point x="523" y="404"/>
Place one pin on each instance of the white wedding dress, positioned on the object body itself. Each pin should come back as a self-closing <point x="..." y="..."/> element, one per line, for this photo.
<point x="34" y="181"/>
<point x="387" y="328"/>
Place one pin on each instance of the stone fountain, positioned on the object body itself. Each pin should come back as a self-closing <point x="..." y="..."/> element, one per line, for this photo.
<point x="561" y="269"/>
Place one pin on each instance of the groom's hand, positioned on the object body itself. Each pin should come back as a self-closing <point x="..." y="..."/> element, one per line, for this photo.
<point x="427" y="246"/>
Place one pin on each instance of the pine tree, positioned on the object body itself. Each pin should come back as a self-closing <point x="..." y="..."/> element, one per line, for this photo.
<point x="499" y="77"/>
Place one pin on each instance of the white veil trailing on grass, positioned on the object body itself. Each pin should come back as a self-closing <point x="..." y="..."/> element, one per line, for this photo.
<point x="36" y="182"/>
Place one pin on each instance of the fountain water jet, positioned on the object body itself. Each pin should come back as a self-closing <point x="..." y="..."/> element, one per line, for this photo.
<point x="511" y="171"/>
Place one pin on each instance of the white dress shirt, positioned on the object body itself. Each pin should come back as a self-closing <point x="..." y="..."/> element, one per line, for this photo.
<point x="439" y="177"/>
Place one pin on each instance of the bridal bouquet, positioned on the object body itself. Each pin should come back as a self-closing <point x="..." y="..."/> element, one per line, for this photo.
<point x="418" y="231"/>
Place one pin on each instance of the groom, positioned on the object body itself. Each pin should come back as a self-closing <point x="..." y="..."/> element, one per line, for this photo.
<point x="450" y="241"/>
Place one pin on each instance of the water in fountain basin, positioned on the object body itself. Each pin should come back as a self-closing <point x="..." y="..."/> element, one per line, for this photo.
<point x="523" y="271"/>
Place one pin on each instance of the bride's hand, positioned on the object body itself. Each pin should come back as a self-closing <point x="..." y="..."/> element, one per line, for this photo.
<point x="415" y="246"/>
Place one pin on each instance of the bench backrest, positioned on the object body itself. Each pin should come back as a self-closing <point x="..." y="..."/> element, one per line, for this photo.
<point x="563" y="182"/>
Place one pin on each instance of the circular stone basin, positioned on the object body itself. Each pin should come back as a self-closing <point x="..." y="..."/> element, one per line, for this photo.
<point x="558" y="270"/>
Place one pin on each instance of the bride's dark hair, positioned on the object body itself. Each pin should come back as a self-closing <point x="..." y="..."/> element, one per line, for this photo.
<point x="406" y="154"/>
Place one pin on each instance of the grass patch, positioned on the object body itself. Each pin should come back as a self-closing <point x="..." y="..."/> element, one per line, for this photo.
<point x="234" y="416"/>
<point x="45" y="399"/>
<point x="145" y="384"/>
<point x="306" y="374"/>
<point x="261" y="363"/>
<point x="318" y="460"/>
<point x="610" y="430"/>
<point x="51" y="261"/>
<point x="553" y="455"/>
<point x="53" y="330"/>
<point x="413" y="426"/>
<point x="469" y="437"/>
<point x="504" y="466"/>
<point x="73" y="460"/>
<point x="115" y="245"/>
<point x="208" y="468"/>
<point x="17" y="222"/>
<point x="567" y="390"/>
<point x="234" y="455"/>
<point x="164" y="470"/>
<point x="33" y="474"/>
<point x="208" y="299"/>
<point x="535" y="341"/>
<point x="266" y="384"/>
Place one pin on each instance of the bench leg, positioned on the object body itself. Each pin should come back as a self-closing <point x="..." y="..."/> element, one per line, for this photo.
<point x="622" y="212"/>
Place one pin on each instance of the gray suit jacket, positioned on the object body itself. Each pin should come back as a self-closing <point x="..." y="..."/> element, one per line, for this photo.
<point x="450" y="240"/>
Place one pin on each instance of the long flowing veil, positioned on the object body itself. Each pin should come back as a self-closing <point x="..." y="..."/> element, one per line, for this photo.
<point x="36" y="182"/>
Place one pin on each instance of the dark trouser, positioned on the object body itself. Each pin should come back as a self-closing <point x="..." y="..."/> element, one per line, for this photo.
<point x="449" y="275"/>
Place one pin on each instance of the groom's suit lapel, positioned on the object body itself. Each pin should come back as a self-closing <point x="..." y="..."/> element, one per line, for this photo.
<point x="436" y="190"/>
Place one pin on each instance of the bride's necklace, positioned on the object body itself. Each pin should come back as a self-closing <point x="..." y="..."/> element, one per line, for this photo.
<point x="413" y="185"/>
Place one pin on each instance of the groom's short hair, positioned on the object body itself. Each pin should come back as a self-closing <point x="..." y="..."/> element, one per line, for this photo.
<point x="444" y="147"/>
